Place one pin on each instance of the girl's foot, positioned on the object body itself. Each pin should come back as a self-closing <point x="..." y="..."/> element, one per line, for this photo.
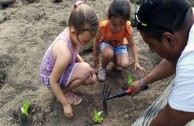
<point x="73" y="98"/>
<point x="102" y="74"/>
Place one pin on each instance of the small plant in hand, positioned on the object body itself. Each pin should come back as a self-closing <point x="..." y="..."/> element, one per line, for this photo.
<point x="98" y="116"/>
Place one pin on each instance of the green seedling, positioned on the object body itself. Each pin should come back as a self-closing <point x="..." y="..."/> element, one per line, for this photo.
<point x="25" y="108"/>
<point x="129" y="79"/>
<point x="97" y="117"/>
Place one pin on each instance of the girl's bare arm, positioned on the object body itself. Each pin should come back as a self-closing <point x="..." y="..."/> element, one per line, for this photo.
<point x="95" y="48"/>
<point x="95" y="44"/>
<point x="60" y="50"/>
<point x="133" y="48"/>
<point x="79" y="58"/>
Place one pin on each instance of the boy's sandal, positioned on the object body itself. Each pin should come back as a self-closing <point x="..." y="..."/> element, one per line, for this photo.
<point x="73" y="98"/>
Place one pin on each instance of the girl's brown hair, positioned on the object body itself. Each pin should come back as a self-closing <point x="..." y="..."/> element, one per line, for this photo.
<point x="83" y="18"/>
<point x="119" y="8"/>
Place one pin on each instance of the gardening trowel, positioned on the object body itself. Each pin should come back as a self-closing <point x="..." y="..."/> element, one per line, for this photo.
<point x="107" y="91"/>
<point x="121" y="94"/>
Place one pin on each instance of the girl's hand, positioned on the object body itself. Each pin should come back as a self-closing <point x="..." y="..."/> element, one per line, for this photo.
<point x="96" y="60"/>
<point x="136" y="65"/>
<point x="68" y="110"/>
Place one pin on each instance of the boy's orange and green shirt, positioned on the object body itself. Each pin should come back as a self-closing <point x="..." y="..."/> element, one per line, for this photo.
<point x="115" y="39"/>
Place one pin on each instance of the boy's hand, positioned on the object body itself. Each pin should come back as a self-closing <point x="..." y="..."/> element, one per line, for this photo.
<point x="68" y="110"/>
<point x="136" y="65"/>
<point x="96" y="60"/>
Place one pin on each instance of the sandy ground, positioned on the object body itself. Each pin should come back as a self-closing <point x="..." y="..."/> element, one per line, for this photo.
<point x="25" y="36"/>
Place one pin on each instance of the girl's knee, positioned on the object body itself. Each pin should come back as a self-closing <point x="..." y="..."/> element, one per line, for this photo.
<point x="107" y="54"/>
<point x="85" y="67"/>
<point x="91" y="80"/>
<point x="122" y="61"/>
<point x="85" y="70"/>
<point x="123" y="65"/>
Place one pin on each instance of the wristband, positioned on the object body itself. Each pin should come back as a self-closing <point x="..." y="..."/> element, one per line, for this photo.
<point x="142" y="86"/>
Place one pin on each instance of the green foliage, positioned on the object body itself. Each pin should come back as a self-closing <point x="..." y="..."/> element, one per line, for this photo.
<point x="2" y="17"/>
<point x="136" y="1"/>
<point x="90" y="45"/>
<point x="25" y="108"/>
<point x="30" y="1"/>
<point x="88" y="48"/>
<point x="97" y="117"/>
<point x="132" y="20"/>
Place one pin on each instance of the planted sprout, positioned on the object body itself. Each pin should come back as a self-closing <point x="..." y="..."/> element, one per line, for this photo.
<point x="129" y="79"/>
<point x="26" y="108"/>
<point x="97" y="117"/>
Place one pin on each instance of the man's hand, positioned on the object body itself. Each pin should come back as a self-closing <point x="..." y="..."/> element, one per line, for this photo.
<point x="136" y="87"/>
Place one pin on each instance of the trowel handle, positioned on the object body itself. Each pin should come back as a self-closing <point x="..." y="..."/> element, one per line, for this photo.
<point x="129" y="91"/>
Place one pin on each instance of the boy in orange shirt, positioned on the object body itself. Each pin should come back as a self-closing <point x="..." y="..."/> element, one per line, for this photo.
<point x="113" y="37"/>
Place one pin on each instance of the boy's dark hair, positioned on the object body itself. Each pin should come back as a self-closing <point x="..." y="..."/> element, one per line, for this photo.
<point x="119" y="8"/>
<point x="83" y="18"/>
<point x="155" y="17"/>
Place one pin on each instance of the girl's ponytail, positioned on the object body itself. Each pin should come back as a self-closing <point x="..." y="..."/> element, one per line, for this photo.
<point x="78" y="3"/>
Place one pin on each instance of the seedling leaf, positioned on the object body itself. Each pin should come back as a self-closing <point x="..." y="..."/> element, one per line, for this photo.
<point x="25" y="107"/>
<point x="97" y="117"/>
<point x="129" y="79"/>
